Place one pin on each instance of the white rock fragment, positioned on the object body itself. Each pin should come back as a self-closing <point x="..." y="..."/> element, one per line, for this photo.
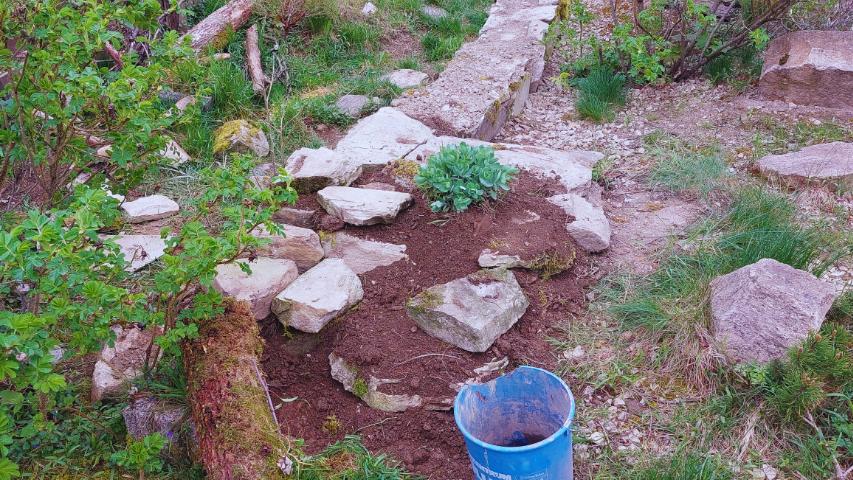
<point x="362" y="255"/>
<point x="361" y="206"/>
<point x="589" y="226"/>
<point x="146" y="209"/>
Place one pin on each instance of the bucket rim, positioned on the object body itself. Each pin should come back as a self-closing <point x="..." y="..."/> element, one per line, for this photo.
<point x="498" y="448"/>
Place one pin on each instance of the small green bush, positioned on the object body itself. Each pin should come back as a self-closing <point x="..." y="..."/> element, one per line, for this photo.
<point x="457" y="177"/>
<point x="598" y="93"/>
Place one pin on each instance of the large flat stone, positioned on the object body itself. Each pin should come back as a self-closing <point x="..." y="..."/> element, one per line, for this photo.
<point x="314" y="169"/>
<point x="146" y="209"/>
<point x="139" y="250"/>
<point x="299" y="244"/>
<point x="381" y="138"/>
<point x="268" y="278"/>
<point x="318" y="296"/>
<point x="824" y="163"/>
<point x="362" y="255"/>
<point x="810" y="68"/>
<point x="588" y="225"/>
<point x="762" y="310"/>
<point x="490" y="78"/>
<point x="361" y="206"/>
<point x="470" y="312"/>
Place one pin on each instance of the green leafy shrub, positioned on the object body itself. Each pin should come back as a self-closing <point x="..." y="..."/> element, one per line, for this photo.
<point x="664" y="39"/>
<point x="65" y="97"/>
<point x="457" y="177"/>
<point x="61" y="281"/>
<point x="599" y="92"/>
<point x="142" y="456"/>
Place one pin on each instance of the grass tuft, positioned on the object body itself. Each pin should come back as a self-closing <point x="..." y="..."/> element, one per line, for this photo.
<point x="599" y="93"/>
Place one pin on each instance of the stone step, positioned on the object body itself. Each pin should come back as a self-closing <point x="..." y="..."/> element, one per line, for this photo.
<point x="490" y="78"/>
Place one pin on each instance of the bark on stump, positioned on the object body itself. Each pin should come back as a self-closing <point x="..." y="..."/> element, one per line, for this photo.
<point x="238" y="437"/>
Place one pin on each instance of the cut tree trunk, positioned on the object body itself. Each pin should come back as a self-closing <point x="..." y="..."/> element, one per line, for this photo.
<point x="230" y="17"/>
<point x="238" y="436"/>
<point x="253" y="61"/>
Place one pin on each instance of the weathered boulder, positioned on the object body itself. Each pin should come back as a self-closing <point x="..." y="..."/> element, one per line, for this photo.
<point x="470" y="312"/>
<point x="406" y="78"/>
<point x="314" y="169"/>
<point x="367" y="388"/>
<point x="148" y="414"/>
<point x="241" y="136"/>
<point x="810" y="68"/>
<point x="589" y="226"/>
<point x="760" y="311"/>
<point x="299" y="244"/>
<point x="120" y="364"/>
<point x="139" y="250"/>
<point x="353" y="105"/>
<point x="362" y="255"/>
<point x="382" y="138"/>
<point x="268" y="278"/>
<point x="146" y="209"/>
<point x="361" y="206"/>
<point x="318" y="296"/>
<point x="823" y="163"/>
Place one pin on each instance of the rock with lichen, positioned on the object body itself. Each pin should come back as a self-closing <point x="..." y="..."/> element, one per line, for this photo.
<point x="240" y="136"/>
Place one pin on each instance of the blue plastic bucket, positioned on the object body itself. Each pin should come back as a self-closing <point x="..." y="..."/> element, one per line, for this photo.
<point x="518" y="426"/>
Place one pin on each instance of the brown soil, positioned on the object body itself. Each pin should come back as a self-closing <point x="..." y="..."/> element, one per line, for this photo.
<point x="382" y="341"/>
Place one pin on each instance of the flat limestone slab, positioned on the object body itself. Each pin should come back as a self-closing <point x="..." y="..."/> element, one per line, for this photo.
<point x="313" y="169"/>
<point x="381" y="138"/>
<point x="268" y="278"/>
<point x="470" y="312"/>
<point x="362" y="206"/>
<point x="823" y="163"/>
<point x="362" y="255"/>
<point x="318" y="296"/>
<point x="490" y="78"/>
<point x="146" y="209"/>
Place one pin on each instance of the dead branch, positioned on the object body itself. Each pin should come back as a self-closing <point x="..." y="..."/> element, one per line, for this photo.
<point x="253" y="61"/>
<point x="230" y="17"/>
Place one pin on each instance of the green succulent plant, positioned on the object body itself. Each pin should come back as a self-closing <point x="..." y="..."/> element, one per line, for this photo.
<point x="460" y="176"/>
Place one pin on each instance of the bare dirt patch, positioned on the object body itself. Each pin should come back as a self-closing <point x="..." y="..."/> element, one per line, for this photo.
<point x="380" y="339"/>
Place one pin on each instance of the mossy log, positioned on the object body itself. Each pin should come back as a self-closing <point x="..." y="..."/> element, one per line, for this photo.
<point x="238" y="437"/>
